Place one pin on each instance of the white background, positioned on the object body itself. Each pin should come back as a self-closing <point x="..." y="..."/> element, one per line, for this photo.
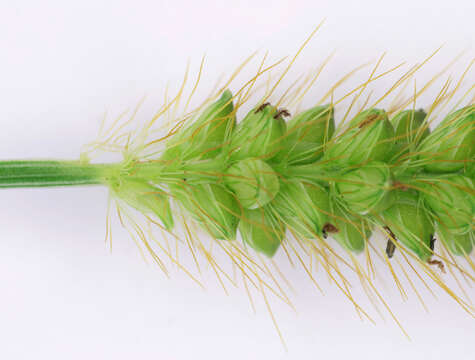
<point x="63" y="63"/>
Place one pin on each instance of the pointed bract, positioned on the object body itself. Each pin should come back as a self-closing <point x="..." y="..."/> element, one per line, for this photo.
<point x="146" y="198"/>
<point x="262" y="230"/>
<point x="213" y="206"/>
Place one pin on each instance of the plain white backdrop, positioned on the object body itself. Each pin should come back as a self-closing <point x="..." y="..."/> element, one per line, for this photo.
<point x="64" y="63"/>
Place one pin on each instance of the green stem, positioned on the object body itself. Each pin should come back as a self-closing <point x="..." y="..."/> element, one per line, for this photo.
<point x="46" y="173"/>
<point x="192" y="171"/>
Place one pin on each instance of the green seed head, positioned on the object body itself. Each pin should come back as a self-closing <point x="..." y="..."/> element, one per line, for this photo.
<point x="304" y="207"/>
<point x="213" y="206"/>
<point x="260" y="134"/>
<point x="451" y="199"/>
<point x="262" y="230"/>
<point x="410" y="223"/>
<point x="145" y="198"/>
<point x="457" y="244"/>
<point x="369" y="136"/>
<point x="205" y="136"/>
<point x="253" y="181"/>
<point x="451" y="143"/>
<point x="307" y="133"/>
<point x="366" y="189"/>
<point x="353" y="231"/>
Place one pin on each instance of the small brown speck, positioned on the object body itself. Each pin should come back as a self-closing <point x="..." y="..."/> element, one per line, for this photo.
<point x="329" y="228"/>
<point x="281" y="112"/>
<point x="262" y="107"/>
<point x="437" y="263"/>
<point x="368" y="120"/>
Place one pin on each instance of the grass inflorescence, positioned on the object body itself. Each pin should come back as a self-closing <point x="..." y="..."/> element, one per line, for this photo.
<point x="295" y="183"/>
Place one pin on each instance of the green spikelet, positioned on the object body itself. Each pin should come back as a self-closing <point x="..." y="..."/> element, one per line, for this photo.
<point x="262" y="230"/>
<point x="368" y="137"/>
<point x="259" y="134"/>
<point x="366" y="189"/>
<point x="307" y="133"/>
<point x="204" y="138"/>
<point x="451" y="199"/>
<point x="410" y="223"/>
<point x="214" y="207"/>
<point x="409" y="130"/>
<point x="456" y="243"/>
<point x="253" y="181"/>
<point x="303" y="207"/>
<point x="145" y="198"/>
<point x="353" y="231"/>
<point x="451" y="144"/>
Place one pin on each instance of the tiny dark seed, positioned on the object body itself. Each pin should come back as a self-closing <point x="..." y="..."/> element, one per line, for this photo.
<point x="390" y="246"/>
